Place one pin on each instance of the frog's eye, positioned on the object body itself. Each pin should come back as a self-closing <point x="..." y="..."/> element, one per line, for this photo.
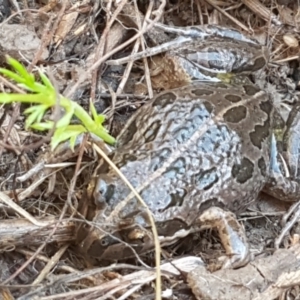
<point x="103" y="192"/>
<point x="105" y="242"/>
<point x="98" y="247"/>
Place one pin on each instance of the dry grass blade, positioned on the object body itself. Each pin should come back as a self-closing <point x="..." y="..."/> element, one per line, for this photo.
<point x="259" y="9"/>
<point x="153" y="226"/>
<point x="4" y="198"/>
<point x="241" y="25"/>
<point x="51" y="263"/>
<point x="117" y="49"/>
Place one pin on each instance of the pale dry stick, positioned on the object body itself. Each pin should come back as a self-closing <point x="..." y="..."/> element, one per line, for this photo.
<point x="18" y="271"/>
<point x="185" y="264"/>
<point x="77" y="171"/>
<point x="141" y="27"/>
<point x="15" y="14"/>
<point x="130" y="292"/>
<point x="51" y="233"/>
<point x="16" y="5"/>
<point x="4" y="198"/>
<point x="200" y="14"/>
<point x="15" y="114"/>
<point x="91" y="290"/>
<point x="287" y="279"/>
<point x="119" y="288"/>
<point x="51" y="263"/>
<point x="91" y="21"/>
<point x="185" y="36"/>
<point x="128" y="68"/>
<point x="100" y="50"/>
<point x="286" y="59"/>
<point x="259" y="9"/>
<point x="117" y="49"/>
<point x="109" y="112"/>
<point x="45" y="40"/>
<point x="40" y="166"/>
<point x="289" y="224"/>
<point x="31" y="259"/>
<point x="28" y="191"/>
<point x="45" y="259"/>
<point x="234" y="20"/>
<point x="153" y="226"/>
<point x="171" y="45"/>
<point x="11" y="85"/>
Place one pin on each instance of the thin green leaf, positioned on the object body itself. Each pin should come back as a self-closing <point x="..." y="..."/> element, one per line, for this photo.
<point x="42" y="126"/>
<point x="39" y="107"/>
<point x="73" y="141"/>
<point x="99" y="119"/>
<point x="44" y="95"/>
<point x="105" y="136"/>
<point x="35" y="114"/>
<point x="65" y="133"/>
<point x="5" y="98"/>
<point x="26" y="98"/>
<point x="12" y="75"/>
<point x="46" y="81"/>
<point x="20" y="69"/>
<point x="93" y="110"/>
<point x="65" y="120"/>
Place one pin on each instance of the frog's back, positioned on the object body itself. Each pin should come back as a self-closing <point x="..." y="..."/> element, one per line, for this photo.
<point x="194" y="147"/>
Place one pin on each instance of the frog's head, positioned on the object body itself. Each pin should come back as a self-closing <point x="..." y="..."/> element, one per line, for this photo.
<point x="119" y="224"/>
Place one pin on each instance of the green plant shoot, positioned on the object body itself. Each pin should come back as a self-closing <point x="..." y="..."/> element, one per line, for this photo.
<point x="42" y="97"/>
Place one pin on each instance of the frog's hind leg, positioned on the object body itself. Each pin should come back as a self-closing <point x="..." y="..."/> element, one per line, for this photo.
<point x="232" y="236"/>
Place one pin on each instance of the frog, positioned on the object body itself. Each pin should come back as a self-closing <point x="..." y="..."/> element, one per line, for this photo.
<point x="198" y="155"/>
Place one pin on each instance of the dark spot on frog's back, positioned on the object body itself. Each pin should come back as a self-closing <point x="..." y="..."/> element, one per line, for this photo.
<point x="262" y="132"/>
<point x="204" y="180"/>
<point x="164" y="99"/>
<point x="209" y="107"/>
<point x="183" y="134"/>
<point x="126" y="158"/>
<point x="251" y="90"/>
<point x="176" y="168"/>
<point x="235" y="114"/>
<point x="210" y="203"/>
<point x="220" y="85"/>
<point x="158" y="158"/>
<point x="177" y="199"/>
<point x="127" y="136"/>
<point x="262" y="166"/>
<point x="151" y="133"/>
<point x="202" y="92"/>
<point x="266" y="106"/>
<point x="243" y="171"/>
<point x="233" y="98"/>
<point x="259" y="63"/>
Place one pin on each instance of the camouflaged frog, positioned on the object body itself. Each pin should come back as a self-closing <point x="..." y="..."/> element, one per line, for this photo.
<point x="198" y="155"/>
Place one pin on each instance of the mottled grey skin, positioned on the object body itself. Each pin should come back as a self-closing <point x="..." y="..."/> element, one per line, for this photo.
<point x="196" y="150"/>
<point x="188" y="150"/>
